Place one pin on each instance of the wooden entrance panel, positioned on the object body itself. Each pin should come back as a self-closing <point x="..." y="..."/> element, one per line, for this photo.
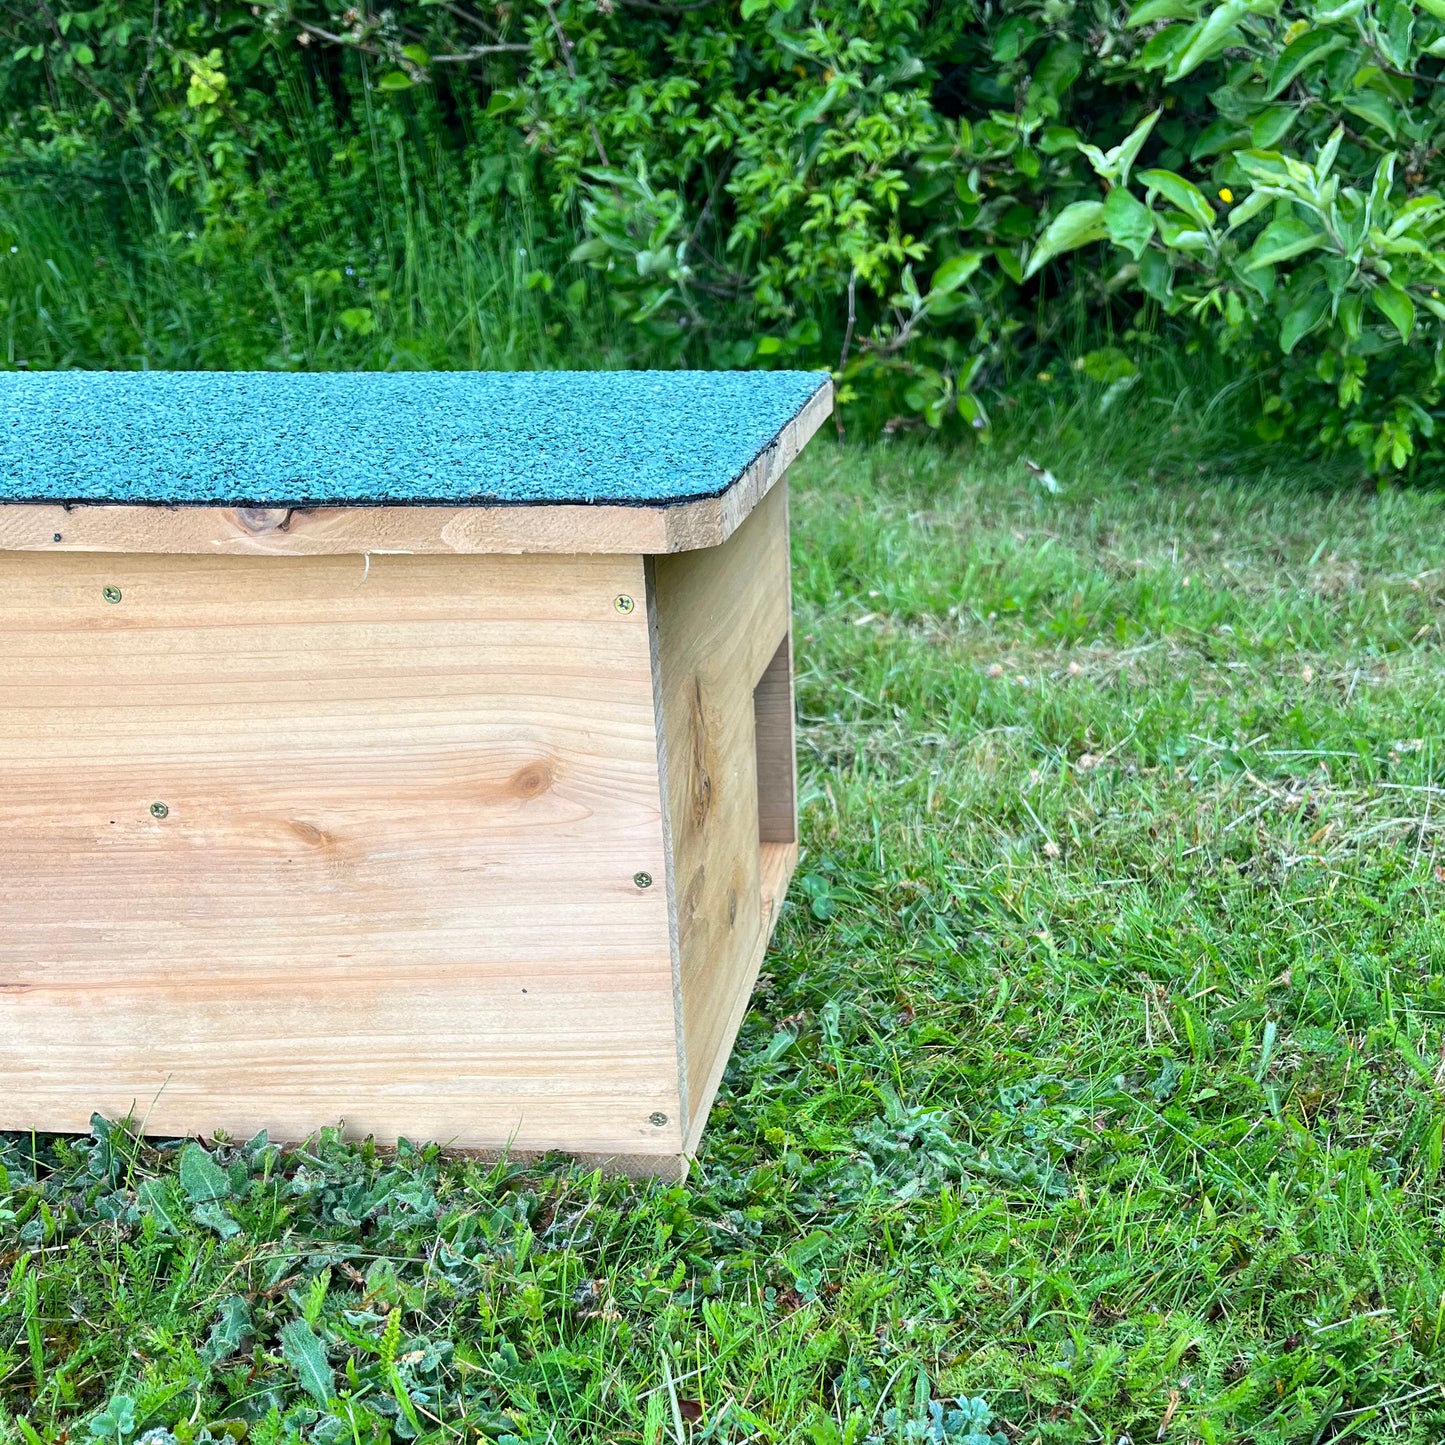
<point x="293" y="840"/>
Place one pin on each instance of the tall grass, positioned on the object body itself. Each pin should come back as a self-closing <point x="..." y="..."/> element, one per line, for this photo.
<point x="426" y="272"/>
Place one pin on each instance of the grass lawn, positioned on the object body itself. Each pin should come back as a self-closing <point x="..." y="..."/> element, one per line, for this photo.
<point x="1096" y="1071"/>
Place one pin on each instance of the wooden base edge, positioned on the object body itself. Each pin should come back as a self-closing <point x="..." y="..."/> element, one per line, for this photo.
<point x="665" y="1168"/>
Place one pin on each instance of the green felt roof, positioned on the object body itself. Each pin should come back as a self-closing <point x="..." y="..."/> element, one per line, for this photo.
<point x="273" y="439"/>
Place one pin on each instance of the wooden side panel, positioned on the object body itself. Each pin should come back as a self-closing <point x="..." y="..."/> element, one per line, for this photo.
<point x="721" y="617"/>
<point x="287" y="841"/>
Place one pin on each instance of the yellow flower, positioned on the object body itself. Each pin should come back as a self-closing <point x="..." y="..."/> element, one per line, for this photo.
<point x="1226" y="195"/>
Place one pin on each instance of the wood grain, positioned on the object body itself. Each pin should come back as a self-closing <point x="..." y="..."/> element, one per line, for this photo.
<point x="721" y="617"/>
<point x="777" y="759"/>
<point x="776" y="862"/>
<point x="290" y="841"/>
<point x="598" y="529"/>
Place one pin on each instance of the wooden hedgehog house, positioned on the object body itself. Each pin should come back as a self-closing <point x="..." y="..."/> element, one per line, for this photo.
<point x="413" y="751"/>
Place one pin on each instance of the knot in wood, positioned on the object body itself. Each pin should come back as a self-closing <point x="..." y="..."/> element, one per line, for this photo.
<point x="263" y="519"/>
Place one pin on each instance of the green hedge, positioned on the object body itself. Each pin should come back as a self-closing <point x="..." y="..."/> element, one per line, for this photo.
<point x="916" y="196"/>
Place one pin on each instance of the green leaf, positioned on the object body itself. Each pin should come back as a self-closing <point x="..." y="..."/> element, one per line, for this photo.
<point x="754" y="7"/>
<point x="154" y="1198"/>
<point x="1209" y="37"/>
<point x="1123" y="155"/>
<point x="303" y="1351"/>
<point x="1181" y="193"/>
<point x="391" y="1338"/>
<point x="1283" y="239"/>
<point x="1218" y="135"/>
<point x="1380" y="186"/>
<point x="201" y="1177"/>
<point x="1249" y="208"/>
<point x="1130" y="222"/>
<point x="1297" y="57"/>
<point x="1009" y="263"/>
<point x="591" y="250"/>
<point x="1055" y="140"/>
<point x="316" y="1298"/>
<point x="416" y="54"/>
<point x="116" y="1421"/>
<point x="1106" y="365"/>
<point x="212" y="1216"/>
<point x="1161" y="47"/>
<point x="1152" y="11"/>
<point x="1079" y="224"/>
<point x="1270" y="126"/>
<point x="970" y="409"/>
<point x="1375" y="110"/>
<point x="1395" y="305"/>
<point x="1395" y="29"/>
<point x="1013" y="38"/>
<point x="1179" y="233"/>
<point x="394" y="80"/>
<point x="230" y="1330"/>
<point x="82" y="54"/>
<point x="1325" y="160"/>
<point x="1302" y="317"/>
<point x="1058" y="69"/>
<point x="1350" y="310"/>
<point x="1279" y="172"/>
<point x="955" y="271"/>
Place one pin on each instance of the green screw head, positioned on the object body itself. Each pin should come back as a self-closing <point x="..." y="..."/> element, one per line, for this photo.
<point x="159" y="810"/>
<point x="111" y="594"/>
<point x="657" y="1120"/>
<point x="623" y="603"/>
<point x="643" y="880"/>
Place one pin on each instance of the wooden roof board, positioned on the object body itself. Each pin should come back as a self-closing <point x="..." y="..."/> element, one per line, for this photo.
<point x="644" y="462"/>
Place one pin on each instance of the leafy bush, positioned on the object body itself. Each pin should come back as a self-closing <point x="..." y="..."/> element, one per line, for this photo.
<point x="921" y="197"/>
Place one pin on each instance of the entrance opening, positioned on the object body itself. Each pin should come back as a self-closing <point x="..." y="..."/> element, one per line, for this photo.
<point x="777" y="779"/>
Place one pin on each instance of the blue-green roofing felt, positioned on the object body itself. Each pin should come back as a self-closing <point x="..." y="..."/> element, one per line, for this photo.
<point x="274" y="439"/>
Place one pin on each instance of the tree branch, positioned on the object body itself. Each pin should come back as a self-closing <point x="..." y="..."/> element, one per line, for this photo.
<point x="476" y="53"/>
<point x="566" y="47"/>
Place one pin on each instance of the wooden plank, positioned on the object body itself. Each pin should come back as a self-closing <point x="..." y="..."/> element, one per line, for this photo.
<point x="402" y="805"/>
<point x="595" y="529"/>
<point x="721" y="616"/>
<point x="776" y="862"/>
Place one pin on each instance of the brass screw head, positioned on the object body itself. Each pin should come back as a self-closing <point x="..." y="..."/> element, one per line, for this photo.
<point x="623" y="603"/>
<point x="657" y="1120"/>
<point x="111" y="594"/>
<point x="159" y="810"/>
<point x="643" y="880"/>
